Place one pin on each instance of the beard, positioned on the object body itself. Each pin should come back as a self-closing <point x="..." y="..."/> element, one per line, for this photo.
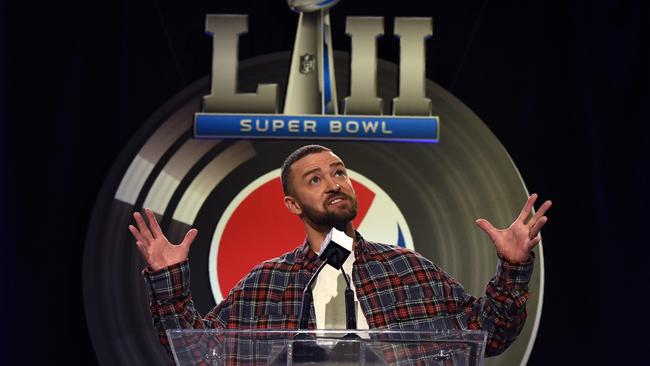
<point x="328" y="218"/>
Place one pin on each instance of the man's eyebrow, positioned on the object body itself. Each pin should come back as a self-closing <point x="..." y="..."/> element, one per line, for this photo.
<point x="309" y="172"/>
<point x="336" y="163"/>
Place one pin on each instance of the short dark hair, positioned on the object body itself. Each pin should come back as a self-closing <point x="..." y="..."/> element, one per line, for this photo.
<point x="300" y="153"/>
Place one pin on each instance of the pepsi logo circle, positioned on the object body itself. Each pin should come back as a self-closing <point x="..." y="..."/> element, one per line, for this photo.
<point x="256" y="226"/>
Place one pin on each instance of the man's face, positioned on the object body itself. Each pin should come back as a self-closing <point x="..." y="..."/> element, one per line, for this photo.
<point x="322" y="188"/>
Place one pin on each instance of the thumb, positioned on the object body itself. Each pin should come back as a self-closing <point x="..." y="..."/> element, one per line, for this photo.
<point x="486" y="226"/>
<point x="189" y="237"/>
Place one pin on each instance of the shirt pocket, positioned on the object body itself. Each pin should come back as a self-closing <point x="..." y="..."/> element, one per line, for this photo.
<point x="418" y="305"/>
<point x="425" y="314"/>
<point x="273" y="316"/>
<point x="277" y="321"/>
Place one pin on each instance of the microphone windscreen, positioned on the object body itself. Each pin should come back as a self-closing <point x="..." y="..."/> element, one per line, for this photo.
<point x="336" y="248"/>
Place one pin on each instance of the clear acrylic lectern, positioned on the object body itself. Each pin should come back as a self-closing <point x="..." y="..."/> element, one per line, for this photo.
<point x="326" y="347"/>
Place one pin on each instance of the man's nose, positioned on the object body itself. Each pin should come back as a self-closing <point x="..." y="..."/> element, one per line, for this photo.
<point x="332" y="185"/>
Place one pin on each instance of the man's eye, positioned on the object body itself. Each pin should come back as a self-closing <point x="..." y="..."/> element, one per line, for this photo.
<point x="339" y="173"/>
<point x="314" y="180"/>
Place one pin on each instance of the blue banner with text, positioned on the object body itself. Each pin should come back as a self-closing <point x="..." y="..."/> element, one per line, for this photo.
<point x="319" y="127"/>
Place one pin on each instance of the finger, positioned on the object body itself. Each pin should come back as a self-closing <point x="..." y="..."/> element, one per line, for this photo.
<point x="487" y="227"/>
<point x="542" y="210"/>
<point x="189" y="237"/>
<point x="144" y="230"/>
<point x="525" y="212"/>
<point x="534" y="231"/>
<point x="136" y="234"/>
<point x="534" y="242"/>
<point x="155" y="228"/>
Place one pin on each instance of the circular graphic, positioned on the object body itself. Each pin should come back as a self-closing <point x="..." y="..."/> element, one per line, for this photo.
<point x="378" y="218"/>
<point x="435" y="192"/>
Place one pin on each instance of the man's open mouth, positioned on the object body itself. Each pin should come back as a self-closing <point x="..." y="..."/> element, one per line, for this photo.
<point x="336" y="200"/>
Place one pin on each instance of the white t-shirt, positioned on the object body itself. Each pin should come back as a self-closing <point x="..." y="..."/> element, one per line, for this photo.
<point x="329" y="298"/>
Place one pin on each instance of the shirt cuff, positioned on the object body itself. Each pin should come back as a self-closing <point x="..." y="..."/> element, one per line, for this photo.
<point x="168" y="283"/>
<point x="515" y="276"/>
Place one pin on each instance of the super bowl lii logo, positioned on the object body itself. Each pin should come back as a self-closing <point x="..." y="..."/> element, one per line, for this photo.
<point x="311" y="105"/>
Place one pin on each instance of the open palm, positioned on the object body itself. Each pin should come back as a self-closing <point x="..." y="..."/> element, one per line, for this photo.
<point x="515" y="243"/>
<point x="156" y="250"/>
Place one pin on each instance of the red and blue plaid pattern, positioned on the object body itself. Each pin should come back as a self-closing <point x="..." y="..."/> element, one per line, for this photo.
<point x="397" y="289"/>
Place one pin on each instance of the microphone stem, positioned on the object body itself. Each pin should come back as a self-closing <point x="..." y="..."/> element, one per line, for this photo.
<point x="350" y="309"/>
<point x="308" y="298"/>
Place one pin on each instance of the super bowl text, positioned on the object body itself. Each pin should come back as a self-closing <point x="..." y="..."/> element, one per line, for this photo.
<point x="311" y="85"/>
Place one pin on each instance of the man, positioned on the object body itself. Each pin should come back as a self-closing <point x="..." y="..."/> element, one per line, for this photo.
<point x="396" y="288"/>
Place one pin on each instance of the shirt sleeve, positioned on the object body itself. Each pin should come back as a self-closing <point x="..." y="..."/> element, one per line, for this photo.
<point x="171" y="302"/>
<point x="502" y="311"/>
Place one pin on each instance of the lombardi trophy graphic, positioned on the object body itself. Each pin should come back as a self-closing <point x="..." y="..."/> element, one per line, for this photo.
<point x="311" y="88"/>
<point x="311" y="108"/>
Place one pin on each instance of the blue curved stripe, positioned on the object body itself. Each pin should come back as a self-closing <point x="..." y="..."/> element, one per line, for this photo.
<point x="326" y="77"/>
<point x="400" y="237"/>
<point x="324" y="2"/>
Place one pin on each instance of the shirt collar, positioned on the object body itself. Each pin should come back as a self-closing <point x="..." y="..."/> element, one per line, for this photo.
<point x="308" y="257"/>
<point x="360" y="247"/>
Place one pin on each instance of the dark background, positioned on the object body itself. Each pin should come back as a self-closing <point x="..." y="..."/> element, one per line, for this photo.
<point x="563" y="85"/>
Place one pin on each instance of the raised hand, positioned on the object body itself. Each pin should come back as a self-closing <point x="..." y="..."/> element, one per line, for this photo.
<point x="154" y="246"/>
<point x="514" y="243"/>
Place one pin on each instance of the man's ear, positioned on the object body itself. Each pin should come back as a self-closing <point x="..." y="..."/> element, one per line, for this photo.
<point x="292" y="205"/>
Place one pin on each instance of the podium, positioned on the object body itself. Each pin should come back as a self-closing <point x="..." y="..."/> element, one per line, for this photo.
<point x="217" y="347"/>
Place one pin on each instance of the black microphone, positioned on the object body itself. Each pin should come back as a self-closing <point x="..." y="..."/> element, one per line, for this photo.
<point x="335" y="249"/>
<point x="309" y="351"/>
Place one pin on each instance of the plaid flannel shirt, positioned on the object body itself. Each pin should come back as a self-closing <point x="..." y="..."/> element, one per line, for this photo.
<point x="397" y="288"/>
